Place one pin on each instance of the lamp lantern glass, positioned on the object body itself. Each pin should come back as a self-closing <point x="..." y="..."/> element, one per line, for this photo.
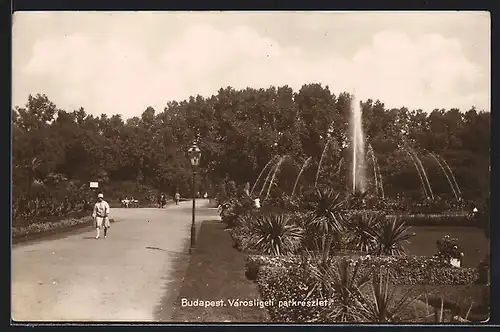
<point x="194" y="155"/>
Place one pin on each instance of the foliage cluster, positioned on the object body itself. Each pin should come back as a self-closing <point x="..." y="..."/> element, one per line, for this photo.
<point x="239" y="132"/>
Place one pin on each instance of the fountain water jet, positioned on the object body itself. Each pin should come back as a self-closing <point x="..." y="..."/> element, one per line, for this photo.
<point x="358" y="147"/>
<point x="321" y="161"/>
<point x="452" y="176"/>
<point x="376" y="173"/>
<point x="339" y="167"/>
<point x="422" y="182"/>
<point x="445" y="173"/>
<point x="282" y="159"/>
<point x="268" y="177"/>
<point x="380" y="180"/>
<point x="306" y="163"/>
<point x="262" y="172"/>
<point x="424" y="173"/>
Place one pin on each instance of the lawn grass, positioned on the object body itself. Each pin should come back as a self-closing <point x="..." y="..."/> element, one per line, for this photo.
<point x="216" y="271"/>
<point x="473" y="242"/>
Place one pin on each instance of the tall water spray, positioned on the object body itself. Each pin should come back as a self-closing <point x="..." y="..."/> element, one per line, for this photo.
<point x="321" y="161"/>
<point x="306" y="163"/>
<point x="358" y="148"/>
<point x="262" y="172"/>
<point x="276" y="169"/>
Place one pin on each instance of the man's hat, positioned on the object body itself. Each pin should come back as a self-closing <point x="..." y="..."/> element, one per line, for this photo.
<point x="100" y="196"/>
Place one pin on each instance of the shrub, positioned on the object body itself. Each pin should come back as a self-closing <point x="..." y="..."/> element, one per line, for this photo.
<point x="448" y="248"/>
<point x="283" y="202"/>
<point x="282" y="285"/>
<point x="484" y="270"/>
<point x="406" y="270"/>
<point x="231" y="189"/>
<point x="222" y="194"/>
<point x="241" y="233"/>
<point x="234" y="208"/>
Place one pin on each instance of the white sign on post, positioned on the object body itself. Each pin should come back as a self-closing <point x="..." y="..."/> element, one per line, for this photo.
<point x="94" y="184"/>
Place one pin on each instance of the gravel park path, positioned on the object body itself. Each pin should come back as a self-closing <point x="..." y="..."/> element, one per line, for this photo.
<point x="128" y="276"/>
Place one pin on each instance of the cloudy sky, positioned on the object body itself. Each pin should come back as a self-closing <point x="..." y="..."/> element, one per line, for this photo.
<point x="122" y="62"/>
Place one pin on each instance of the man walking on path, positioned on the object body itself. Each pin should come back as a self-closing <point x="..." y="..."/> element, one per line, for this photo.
<point x="101" y="215"/>
<point x="177" y="198"/>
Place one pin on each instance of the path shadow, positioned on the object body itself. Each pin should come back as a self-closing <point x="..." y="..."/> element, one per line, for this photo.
<point x="168" y="251"/>
<point x="89" y="237"/>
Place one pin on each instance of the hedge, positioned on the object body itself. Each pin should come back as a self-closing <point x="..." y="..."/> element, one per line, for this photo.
<point x="407" y="270"/>
<point x="281" y="285"/>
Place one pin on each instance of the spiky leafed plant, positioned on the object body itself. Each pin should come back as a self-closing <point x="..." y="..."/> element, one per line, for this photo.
<point x="362" y="227"/>
<point x="343" y="282"/>
<point x="275" y="234"/>
<point x="390" y="236"/>
<point x="325" y="212"/>
<point x="383" y="303"/>
<point x="319" y="260"/>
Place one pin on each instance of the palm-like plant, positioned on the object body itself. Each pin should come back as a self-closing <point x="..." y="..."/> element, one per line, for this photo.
<point x="325" y="211"/>
<point x="343" y="283"/>
<point x="318" y="260"/>
<point x="390" y="237"/>
<point x="275" y="234"/>
<point x="362" y="228"/>
<point x="384" y="303"/>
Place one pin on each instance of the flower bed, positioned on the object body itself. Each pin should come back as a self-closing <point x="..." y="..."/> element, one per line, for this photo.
<point x="407" y="270"/>
<point x="50" y="227"/>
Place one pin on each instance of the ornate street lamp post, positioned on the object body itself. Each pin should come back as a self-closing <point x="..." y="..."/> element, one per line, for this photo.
<point x="194" y="154"/>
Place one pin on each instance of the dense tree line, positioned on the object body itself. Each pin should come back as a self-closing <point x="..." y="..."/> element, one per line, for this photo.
<point x="239" y="132"/>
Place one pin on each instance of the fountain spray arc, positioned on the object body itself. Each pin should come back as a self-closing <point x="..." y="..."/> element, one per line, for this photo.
<point x="379" y="184"/>
<point x="304" y="166"/>
<point x="262" y="172"/>
<point x="321" y="161"/>
<point x="272" y="170"/>
<point x="358" y="148"/>
<point x="276" y="169"/>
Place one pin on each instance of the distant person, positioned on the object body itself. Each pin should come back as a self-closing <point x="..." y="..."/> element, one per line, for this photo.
<point x="205" y="195"/>
<point x="101" y="215"/>
<point x="177" y="198"/>
<point x="133" y="202"/>
<point x="163" y="201"/>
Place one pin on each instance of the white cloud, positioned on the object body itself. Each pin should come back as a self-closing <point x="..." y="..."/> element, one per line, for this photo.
<point x="124" y="76"/>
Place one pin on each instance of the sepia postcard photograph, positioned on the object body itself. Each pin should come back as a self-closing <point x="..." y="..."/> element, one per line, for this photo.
<point x="251" y="167"/>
